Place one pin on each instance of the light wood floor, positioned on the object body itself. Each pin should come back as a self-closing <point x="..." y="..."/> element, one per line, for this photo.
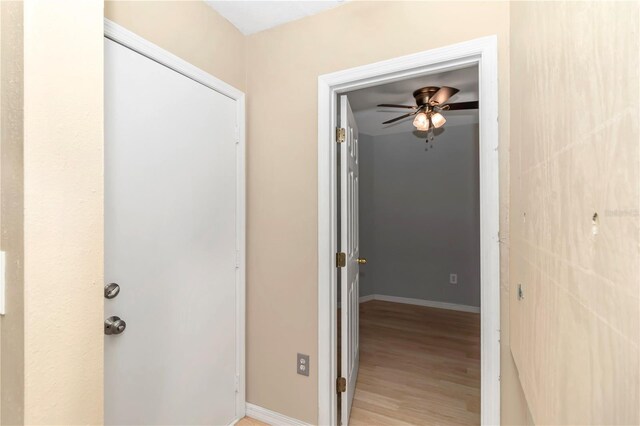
<point x="418" y="366"/>
<point x="248" y="421"/>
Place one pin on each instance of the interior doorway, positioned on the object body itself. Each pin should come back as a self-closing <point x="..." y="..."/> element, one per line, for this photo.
<point x="341" y="254"/>
<point x="415" y="282"/>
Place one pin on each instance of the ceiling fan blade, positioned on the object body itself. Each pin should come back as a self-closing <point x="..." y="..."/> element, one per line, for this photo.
<point x="397" y="106"/>
<point x="393" y="120"/>
<point x="442" y="95"/>
<point x="462" y="105"/>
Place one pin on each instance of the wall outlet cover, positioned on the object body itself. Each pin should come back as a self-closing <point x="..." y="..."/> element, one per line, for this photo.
<point x="453" y="278"/>
<point x="303" y="364"/>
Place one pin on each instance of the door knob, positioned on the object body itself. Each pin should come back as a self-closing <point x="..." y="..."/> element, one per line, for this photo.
<point x="114" y="325"/>
<point x="111" y="290"/>
<point x="362" y="260"/>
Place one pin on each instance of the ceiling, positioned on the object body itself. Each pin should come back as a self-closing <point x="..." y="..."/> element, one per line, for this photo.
<point x="254" y="16"/>
<point x="369" y="117"/>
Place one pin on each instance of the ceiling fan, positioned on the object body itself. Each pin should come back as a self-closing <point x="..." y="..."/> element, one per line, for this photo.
<point x="430" y="102"/>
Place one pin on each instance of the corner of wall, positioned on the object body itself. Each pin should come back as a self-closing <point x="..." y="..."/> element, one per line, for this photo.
<point x="11" y="211"/>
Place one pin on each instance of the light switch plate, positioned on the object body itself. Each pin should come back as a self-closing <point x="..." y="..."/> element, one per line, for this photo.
<point x="303" y="364"/>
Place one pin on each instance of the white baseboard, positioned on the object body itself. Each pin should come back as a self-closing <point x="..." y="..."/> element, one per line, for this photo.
<point x="271" y="417"/>
<point x="421" y="302"/>
<point x="362" y="298"/>
<point x="367" y="298"/>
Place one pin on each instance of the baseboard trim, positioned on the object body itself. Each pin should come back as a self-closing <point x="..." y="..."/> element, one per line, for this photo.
<point x="420" y="302"/>
<point x="367" y="298"/>
<point x="271" y="417"/>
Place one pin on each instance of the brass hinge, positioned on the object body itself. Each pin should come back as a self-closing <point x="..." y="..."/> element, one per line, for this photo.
<point x="341" y="260"/>
<point x="341" y="134"/>
<point x="341" y="385"/>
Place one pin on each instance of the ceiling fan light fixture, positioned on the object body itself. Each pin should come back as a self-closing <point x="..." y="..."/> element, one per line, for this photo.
<point x="438" y="120"/>
<point x="421" y="122"/>
<point x="430" y="102"/>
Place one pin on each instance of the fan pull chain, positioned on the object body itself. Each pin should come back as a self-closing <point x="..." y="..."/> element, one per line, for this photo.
<point x="430" y="135"/>
<point x="430" y="138"/>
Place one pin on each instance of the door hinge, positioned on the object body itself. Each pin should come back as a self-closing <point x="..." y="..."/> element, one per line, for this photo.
<point x="341" y="385"/>
<point x="341" y="134"/>
<point x="236" y="135"/>
<point x="237" y="383"/>
<point x="341" y="260"/>
<point x="237" y="259"/>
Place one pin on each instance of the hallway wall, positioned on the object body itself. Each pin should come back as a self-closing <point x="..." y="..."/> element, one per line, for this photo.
<point x="63" y="211"/>
<point x="420" y="215"/>
<point x="12" y="211"/>
<point x="575" y="119"/>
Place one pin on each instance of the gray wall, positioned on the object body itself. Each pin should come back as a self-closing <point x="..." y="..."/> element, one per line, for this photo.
<point x="419" y="215"/>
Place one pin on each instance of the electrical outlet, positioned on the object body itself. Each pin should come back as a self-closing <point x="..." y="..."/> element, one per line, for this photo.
<point x="303" y="364"/>
<point x="453" y="278"/>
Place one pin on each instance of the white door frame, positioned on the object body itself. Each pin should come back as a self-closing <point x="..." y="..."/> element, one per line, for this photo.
<point x="138" y="44"/>
<point x="484" y="53"/>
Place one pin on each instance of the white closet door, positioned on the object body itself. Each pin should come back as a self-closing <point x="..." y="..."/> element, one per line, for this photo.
<point x="170" y="244"/>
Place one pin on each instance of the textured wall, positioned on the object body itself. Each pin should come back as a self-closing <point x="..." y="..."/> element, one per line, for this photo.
<point x="283" y="65"/>
<point x="63" y="210"/>
<point x="11" y="212"/>
<point x="188" y="29"/>
<point x="420" y="215"/>
<point x="575" y="152"/>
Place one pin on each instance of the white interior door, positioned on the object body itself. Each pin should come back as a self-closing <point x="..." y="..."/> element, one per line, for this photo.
<point x="170" y="244"/>
<point x="350" y="245"/>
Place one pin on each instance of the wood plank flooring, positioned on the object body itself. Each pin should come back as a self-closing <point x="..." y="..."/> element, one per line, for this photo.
<point x="418" y="366"/>
<point x="248" y="421"/>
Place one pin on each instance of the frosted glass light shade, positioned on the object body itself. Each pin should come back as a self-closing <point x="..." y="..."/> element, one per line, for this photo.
<point x="421" y="122"/>
<point x="438" y="120"/>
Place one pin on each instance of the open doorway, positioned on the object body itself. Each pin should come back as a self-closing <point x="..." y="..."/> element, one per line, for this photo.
<point x="421" y="286"/>
<point x="416" y="239"/>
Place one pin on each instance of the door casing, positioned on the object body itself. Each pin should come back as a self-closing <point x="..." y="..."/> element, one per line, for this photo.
<point x="482" y="52"/>
<point x="138" y="44"/>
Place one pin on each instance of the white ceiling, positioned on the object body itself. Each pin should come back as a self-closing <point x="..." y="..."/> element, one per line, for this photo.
<point x="254" y="16"/>
<point x="369" y="117"/>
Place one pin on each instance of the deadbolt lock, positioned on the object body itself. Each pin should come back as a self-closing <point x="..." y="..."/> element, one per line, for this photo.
<point x="114" y="325"/>
<point x="111" y="290"/>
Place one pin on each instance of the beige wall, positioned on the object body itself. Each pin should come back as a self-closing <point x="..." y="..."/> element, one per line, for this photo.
<point x="188" y="29"/>
<point x="575" y="152"/>
<point x="63" y="210"/>
<point x="283" y="65"/>
<point x="11" y="212"/>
